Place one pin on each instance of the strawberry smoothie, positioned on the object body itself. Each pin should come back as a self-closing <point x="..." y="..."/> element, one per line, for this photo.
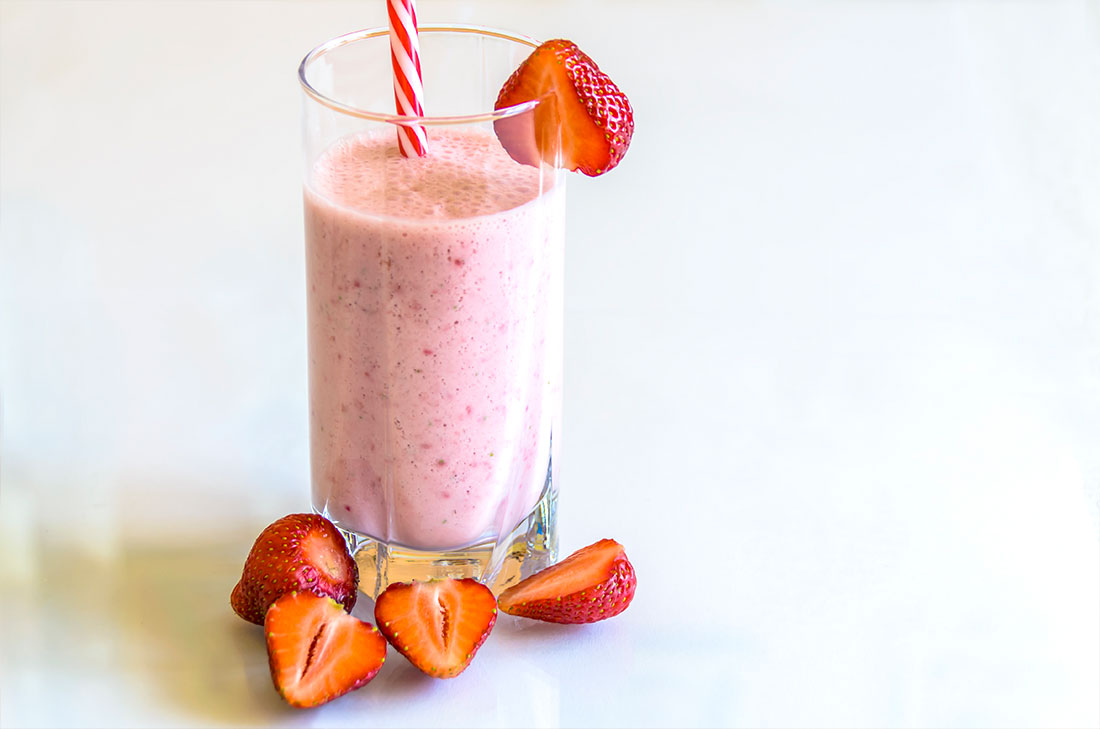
<point x="434" y="337"/>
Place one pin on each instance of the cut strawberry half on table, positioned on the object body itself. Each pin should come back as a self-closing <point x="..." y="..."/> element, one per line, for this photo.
<point x="594" y="583"/>
<point x="437" y="625"/>
<point x="317" y="651"/>
<point x="297" y="552"/>
<point x="581" y="111"/>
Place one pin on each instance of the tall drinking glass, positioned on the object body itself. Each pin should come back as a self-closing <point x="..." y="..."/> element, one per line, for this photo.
<point x="434" y="295"/>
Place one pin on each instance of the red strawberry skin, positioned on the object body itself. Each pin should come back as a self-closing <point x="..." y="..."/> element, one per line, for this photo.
<point x="437" y="625"/>
<point x="594" y="583"/>
<point x="583" y="114"/>
<point x="298" y="552"/>
<point x="316" y="651"/>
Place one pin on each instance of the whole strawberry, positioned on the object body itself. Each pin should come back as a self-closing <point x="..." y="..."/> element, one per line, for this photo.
<point x="302" y="552"/>
<point x="594" y="583"/>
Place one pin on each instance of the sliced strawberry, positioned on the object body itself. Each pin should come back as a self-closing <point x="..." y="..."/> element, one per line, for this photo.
<point x="437" y="625"/>
<point x="594" y="583"/>
<point x="317" y="651"/>
<point x="298" y="552"/>
<point x="580" y="106"/>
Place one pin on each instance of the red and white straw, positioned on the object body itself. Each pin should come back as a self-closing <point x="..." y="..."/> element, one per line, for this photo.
<point x="408" y="89"/>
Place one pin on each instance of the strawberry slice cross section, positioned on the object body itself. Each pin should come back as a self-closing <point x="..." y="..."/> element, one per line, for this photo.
<point x="438" y="625"/>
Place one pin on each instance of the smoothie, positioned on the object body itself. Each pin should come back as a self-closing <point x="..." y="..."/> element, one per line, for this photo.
<point x="434" y="337"/>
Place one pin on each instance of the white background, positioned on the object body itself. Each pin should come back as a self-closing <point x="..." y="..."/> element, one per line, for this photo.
<point x="832" y="367"/>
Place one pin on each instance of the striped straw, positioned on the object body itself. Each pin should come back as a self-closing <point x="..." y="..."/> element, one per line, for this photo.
<point x="408" y="89"/>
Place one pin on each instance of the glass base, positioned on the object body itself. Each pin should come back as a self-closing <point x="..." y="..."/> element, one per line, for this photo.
<point x="530" y="547"/>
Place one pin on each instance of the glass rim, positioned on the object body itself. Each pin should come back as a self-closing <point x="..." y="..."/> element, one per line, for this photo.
<point x="370" y="33"/>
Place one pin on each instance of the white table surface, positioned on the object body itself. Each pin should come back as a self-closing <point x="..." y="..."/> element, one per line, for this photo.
<point x="832" y="367"/>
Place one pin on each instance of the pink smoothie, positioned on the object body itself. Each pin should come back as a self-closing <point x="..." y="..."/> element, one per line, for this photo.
<point x="434" y="290"/>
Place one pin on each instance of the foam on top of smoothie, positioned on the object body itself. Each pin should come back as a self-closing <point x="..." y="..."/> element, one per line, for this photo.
<point x="466" y="173"/>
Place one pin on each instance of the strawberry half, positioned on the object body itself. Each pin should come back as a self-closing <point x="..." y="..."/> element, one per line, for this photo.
<point x="317" y="651"/>
<point x="581" y="110"/>
<point x="437" y="625"/>
<point x="298" y="552"/>
<point x="594" y="583"/>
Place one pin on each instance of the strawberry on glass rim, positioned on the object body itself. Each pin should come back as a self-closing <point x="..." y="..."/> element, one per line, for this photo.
<point x="583" y="121"/>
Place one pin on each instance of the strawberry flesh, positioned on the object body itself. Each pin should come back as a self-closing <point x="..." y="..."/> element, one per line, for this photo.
<point x="582" y="121"/>
<point x="438" y="625"/>
<point x="318" y="652"/>
<point x="297" y="552"/>
<point x="592" y="584"/>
